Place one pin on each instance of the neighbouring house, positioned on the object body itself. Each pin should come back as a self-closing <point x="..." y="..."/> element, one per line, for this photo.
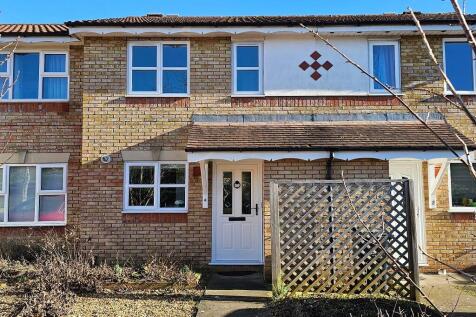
<point x="161" y="134"/>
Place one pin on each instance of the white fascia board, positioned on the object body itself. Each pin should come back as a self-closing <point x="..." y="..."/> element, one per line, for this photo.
<point x="316" y="155"/>
<point x="39" y="39"/>
<point x="236" y="30"/>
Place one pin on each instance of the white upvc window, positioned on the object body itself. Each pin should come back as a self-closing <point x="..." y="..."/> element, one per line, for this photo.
<point x="384" y="62"/>
<point x="35" y="76"/>
<point x="461" y="188"/>
<point x="459" y="64"/>
<point x="247" y="68"/>
<point x="33" y="195"/>
<point x="154" y="187"/>
<point x="158" y="68"/>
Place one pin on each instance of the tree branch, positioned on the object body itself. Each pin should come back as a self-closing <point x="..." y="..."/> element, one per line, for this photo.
<point x="464" y="24"/>
<point x="388" y="89"/>
<point x="442" y="73"/>
<point x="397" y="265"/>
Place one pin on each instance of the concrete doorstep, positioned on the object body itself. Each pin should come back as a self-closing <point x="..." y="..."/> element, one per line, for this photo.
<point x="234" y="294"/>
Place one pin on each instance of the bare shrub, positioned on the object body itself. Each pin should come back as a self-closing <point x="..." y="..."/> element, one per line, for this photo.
<point x="61" y="268"/>
<point x="170" y="270"/>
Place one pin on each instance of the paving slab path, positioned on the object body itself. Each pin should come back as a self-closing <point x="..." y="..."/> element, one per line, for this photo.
<point x="234" y="294"/>
<point x="452" y="293"/>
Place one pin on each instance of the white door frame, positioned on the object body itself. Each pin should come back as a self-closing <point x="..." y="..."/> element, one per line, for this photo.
<point x="259" y="195"/>
<point x="419" y="204"/>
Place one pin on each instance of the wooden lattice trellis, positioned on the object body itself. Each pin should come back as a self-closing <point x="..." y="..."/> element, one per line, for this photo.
<point x="319" y="244"/>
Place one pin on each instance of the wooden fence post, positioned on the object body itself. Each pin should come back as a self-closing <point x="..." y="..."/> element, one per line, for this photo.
<point x="412" y="239"/>
<point x="275" y="234"/>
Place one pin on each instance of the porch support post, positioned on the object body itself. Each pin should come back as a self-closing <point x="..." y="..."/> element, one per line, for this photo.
<point x="204" y="175"/>
<point x="435" y="181"/>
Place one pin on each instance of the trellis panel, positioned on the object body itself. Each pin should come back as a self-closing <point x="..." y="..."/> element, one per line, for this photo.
<point x="320" y="245"/>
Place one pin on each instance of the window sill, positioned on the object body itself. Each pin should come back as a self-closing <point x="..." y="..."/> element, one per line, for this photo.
<point x="158" y="96"/>
<point x="32" y="224"/>
<point x="163" y="211"/>
<point x="462" y="210"/>
<point x="461" y="93"/>
<point x="248" y="96"/>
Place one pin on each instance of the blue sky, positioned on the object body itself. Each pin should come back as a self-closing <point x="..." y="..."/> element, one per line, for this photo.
<point x="36" y="11"/>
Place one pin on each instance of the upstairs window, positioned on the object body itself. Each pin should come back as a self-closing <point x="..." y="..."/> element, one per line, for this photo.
<point x="385" y="65"/>
<point x="158" y="68"/>
<point x="462" y="188"/>
<point x="459" y="65"/>
<point x="35" y="76"/>
<point x="247" y="69"/>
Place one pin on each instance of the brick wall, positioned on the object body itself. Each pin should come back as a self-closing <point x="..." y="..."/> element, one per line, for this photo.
<point x="295" y="170"/>
<point x="112" y="122"/>
<point x="38" y="127"/>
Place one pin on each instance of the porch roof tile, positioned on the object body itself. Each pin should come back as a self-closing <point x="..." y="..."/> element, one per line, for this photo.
<point x="322" y="136"/>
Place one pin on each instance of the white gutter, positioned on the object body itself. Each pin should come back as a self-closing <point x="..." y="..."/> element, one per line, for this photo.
<point x="38" y="39"/>
<point x="236" y="30"/>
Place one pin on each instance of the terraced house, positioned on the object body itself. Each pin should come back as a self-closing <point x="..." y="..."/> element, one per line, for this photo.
<point x="162" y="134"/>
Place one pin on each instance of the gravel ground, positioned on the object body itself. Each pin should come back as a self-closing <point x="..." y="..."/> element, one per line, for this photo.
<point x="137" y="304"/>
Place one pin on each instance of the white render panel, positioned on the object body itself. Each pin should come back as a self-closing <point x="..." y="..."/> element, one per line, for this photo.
<point x="283" y="76"/>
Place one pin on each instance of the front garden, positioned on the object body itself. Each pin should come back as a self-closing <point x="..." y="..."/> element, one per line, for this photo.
<point x="54" y="277"/>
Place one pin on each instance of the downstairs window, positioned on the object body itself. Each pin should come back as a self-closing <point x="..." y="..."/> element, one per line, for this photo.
<point x="32" y="195"/>
<point x="462" y="188"/>
<point x="156" y="187"/>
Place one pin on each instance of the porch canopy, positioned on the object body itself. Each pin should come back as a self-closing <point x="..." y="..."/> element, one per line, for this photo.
<point x="317" y="140"/>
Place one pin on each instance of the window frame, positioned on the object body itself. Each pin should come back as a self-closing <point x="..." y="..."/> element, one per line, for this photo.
<point x="462" y="92"/>
<point x="7" y="76"/>
<point x="157" y="186"/>
<point x="41" y="73"/>
<point x="398" y="82"/>
<point x="456" y="209"/>
<point x="235" y="69"/>
<point x="38" y="192"/>
<point x="159" y="69"/>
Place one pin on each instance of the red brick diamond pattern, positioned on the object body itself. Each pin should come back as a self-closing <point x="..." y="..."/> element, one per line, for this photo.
<point x="315" y="65"/>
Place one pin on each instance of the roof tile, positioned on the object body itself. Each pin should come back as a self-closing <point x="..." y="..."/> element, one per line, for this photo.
<point x="321" y="136"/>
<point x="312" y="20"/>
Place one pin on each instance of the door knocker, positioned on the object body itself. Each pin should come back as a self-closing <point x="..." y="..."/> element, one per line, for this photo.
<point x="237" y="184"/>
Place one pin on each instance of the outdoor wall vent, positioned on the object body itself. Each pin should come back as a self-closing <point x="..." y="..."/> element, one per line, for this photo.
<point x="106" y="159"/>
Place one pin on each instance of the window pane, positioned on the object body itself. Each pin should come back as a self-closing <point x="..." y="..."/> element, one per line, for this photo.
<point x="1" y="179"/>
<point x="144" y="56"/>
<point x="52" y="178"/>
<point x="55" y="63"/>
<point x="247" y="56"/>
<point x="227" y="193"/>
<point x="175" y="55"/>
<point x="246" y="193"/>
<point x="2" y="207"/>
<point x="52" y="208"/>
<point x="463" y="186"/>
<point x="55" y="88"/>
<point x="4" y="83"/>
<point x="172" y="197"/>
<point x="172" y="174"/>
<point x="141" y="175"/>
<point x="141" y="197"/>
<point x="21" y="202"/>
<point x="144" y="80"/>
<point x="247" y="80"/>
<point x="3" y="63"/>
<point x="384" y="65"/>
<point x="26" y="73"/>
<point x="175" y="81"/>
<point x="459" y="65"/>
